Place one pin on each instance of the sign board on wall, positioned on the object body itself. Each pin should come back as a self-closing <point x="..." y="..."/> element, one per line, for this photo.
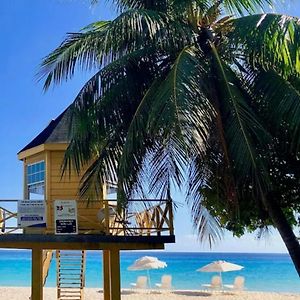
<point x="31" y="213"/>
<point x="65" y="217"/>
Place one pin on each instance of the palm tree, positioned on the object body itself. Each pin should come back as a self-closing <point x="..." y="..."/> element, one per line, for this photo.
<point x="190" y="92"/>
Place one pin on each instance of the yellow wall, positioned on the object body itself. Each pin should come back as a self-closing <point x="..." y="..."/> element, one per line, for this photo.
<point x="64" y="188"/>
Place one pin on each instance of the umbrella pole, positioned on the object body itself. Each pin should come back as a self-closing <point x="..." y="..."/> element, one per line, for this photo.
<point x="148" y="272"/>
<point x="221" y="280"/>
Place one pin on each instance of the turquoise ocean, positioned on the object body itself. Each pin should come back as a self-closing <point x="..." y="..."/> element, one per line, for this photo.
<point x="263" y="272"/>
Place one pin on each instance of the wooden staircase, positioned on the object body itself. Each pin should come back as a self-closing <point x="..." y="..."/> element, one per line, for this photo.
<point x="70" y="274"/>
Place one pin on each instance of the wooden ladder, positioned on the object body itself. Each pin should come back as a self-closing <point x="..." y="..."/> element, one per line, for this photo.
<point x="70" y="266"/>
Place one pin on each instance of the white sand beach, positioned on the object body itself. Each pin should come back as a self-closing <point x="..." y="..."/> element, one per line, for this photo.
<point x="21" y="293"/>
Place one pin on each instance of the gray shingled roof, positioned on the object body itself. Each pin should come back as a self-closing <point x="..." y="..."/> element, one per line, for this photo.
<point x="56" y="132"/>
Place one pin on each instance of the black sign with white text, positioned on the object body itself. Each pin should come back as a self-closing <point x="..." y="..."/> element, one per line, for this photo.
<point x="66" y="226"/>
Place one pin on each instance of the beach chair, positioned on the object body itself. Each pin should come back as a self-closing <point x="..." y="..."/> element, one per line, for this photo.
<point x="166" y="282"/>
<point x="141" y="283"/>
<point x="238" y="284"/>
<point x="216" y="283"/>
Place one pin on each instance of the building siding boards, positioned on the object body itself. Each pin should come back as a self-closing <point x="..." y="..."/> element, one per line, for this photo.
<point x="58" y="187"/>
<point x="66" y="188"/>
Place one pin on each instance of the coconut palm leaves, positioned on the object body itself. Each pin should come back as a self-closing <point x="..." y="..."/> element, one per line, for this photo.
<point x="104" y="42"/>
<point x="181" y="95"/>
<point x="270" y="40"/>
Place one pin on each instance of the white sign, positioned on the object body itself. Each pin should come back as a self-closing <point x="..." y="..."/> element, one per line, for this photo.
<point x="31" y="213"/>
<point x="65" y="217"/>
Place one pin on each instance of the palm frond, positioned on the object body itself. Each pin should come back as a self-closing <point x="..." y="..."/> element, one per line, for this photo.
<point x="77" y="49"/>
<point x="104" y="42"/>
<point x="101" y="114"/>
<point x="102" y="170"/>
<point x="122" y="5"/>
<point x="268" y="40"/>
<point x="208" y="227"/>
<point x="136" y="148"/>
<point x="280" y="97"/>
<point x="173" y="113"/>
<point x="102" y="81"/>
<point x="246" y="6"/>
<point x="242" y="127"/>
<point x="181" y="100"/>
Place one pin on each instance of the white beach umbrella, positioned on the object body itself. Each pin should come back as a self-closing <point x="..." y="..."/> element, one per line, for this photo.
<point x="220" y="266"/>
<point x="147" y="263"/>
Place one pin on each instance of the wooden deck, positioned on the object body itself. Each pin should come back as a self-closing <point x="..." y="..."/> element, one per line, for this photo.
<point x="83" y="241"/>
<point x="142" y="225"/>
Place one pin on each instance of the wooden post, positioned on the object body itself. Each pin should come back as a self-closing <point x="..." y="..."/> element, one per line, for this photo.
<point x="148" y="222"/>
<point x="106" y="274"/>
<point x="115" y="280"/>
<point x="37" y="274"/>
<point x="47" y="193"/>
<point x="106" y="217"/>
<point x="25" y="187"/>
<point x="171" y="226"/>
<point x="157" y="221"/>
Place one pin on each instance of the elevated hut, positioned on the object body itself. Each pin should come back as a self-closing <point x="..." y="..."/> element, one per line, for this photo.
<point x="96" y="225"/>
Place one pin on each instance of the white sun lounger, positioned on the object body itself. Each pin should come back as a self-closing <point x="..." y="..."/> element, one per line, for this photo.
<point x="238" y="284"/>
<point x="141" y="283"/>
<point x="216" y="283"/>
<point x="166" y="282"/>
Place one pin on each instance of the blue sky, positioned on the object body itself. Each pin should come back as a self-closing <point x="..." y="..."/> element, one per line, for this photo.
<point x="28" y="33"/>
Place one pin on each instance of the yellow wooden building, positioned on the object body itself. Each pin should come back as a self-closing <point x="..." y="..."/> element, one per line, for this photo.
<point x="99" y="225"/>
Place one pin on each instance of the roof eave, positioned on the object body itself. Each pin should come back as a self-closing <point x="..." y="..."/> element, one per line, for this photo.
<point x="41" y="148"/>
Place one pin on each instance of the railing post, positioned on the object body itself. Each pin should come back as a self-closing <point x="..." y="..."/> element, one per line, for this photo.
<point x="148" y="220"/>
<point x="157" y="221"/>
<point x="106" y="216"/>
<point x="170" y="206"/>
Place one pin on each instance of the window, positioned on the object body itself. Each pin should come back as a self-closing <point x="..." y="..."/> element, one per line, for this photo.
<point x="36" y="178"/>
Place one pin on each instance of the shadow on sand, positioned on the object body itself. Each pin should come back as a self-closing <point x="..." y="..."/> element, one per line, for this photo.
<point x="127" y="292"/>
<point x="192" y="293"/>
<point x="123" y="292"/>
<point x="187" y="293"/>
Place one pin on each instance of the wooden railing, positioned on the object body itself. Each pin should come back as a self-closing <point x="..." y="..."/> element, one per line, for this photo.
<point x="8" y="217"/>
<point x="140" y="217"/>
<point x="147" y="219"/>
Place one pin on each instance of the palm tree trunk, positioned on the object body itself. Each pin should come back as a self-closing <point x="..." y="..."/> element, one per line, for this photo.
<point x="284" y="228"/>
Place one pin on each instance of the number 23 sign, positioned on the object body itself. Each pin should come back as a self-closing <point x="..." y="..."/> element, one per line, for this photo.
<point x="65" y="214"/>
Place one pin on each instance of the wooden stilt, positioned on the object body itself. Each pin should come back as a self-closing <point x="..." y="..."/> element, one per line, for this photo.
<point x="37" y="274"/>
<point x="106" y="275"/>
<point x="115" y="281"/>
